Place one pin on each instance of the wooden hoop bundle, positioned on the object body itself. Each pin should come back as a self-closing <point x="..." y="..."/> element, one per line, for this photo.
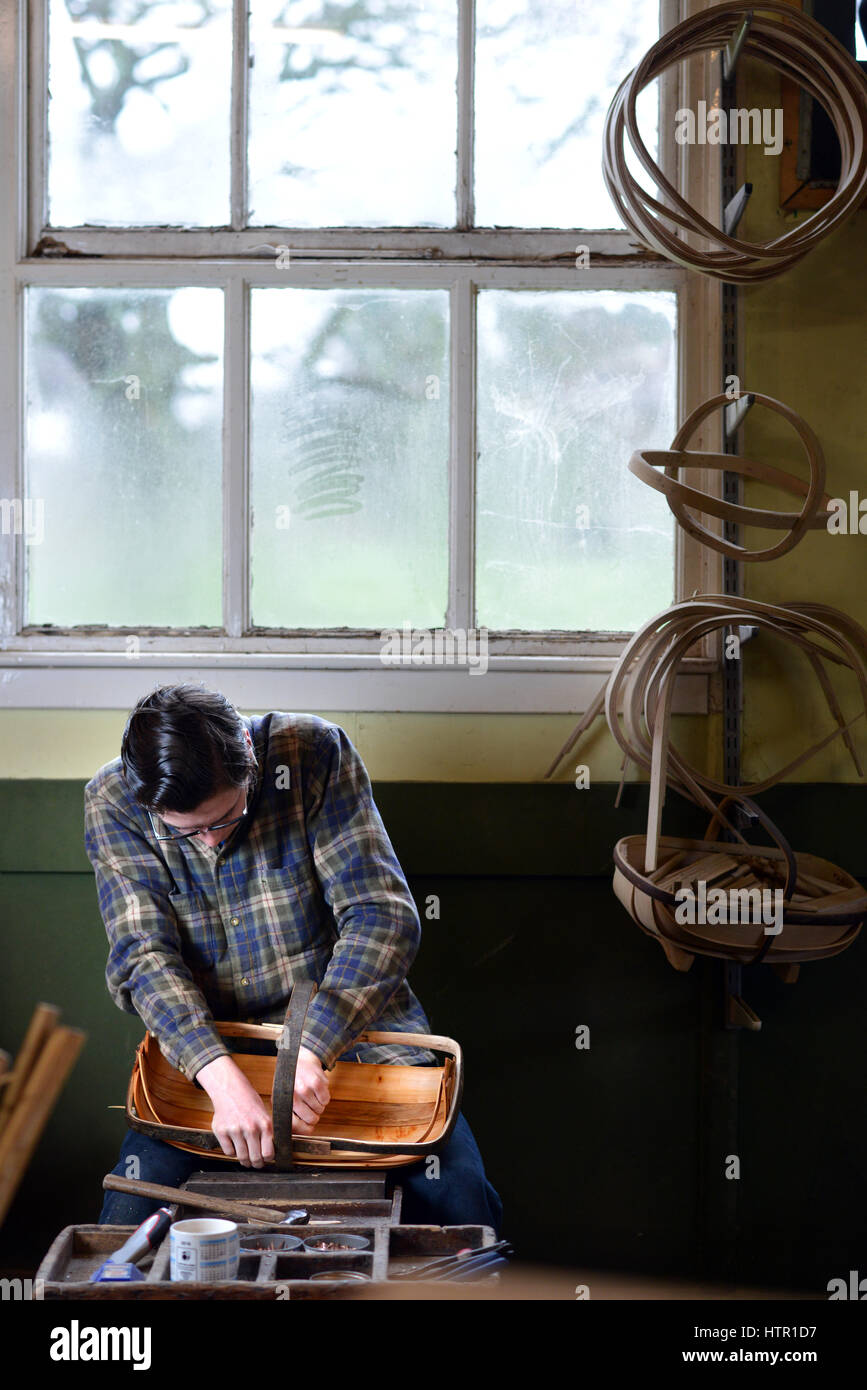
<point x="823" y="906"/>
<point x="795" y="46"/>
<point x="813" y="514"/>
<point x="642" y="683"/>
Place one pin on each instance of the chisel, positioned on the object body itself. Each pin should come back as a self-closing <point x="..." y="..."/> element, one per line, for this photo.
<point x="120" y="1268"/>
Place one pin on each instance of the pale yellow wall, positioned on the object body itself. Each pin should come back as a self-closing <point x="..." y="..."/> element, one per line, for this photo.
<point x="806" y="345"/>
<point x="406" y="747"/>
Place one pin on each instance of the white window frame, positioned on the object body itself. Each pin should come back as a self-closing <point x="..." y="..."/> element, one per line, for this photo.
<point x="543" y="672"/>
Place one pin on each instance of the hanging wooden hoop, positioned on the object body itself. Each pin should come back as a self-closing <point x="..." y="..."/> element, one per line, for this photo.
<point x="641" y="684"/>
<point x="822" y="906"/>
<point x="646" y="463"/>
<point x="794" y="45"/>
<point x="632" y="701"/>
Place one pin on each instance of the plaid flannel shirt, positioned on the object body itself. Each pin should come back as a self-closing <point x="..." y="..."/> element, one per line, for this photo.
<point x="308" y="886"/>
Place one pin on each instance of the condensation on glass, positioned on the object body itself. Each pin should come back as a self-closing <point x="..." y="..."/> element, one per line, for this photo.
<point x="546" y="71"/>
<point x="123" y="456"/>
<point x="352" y="114"/>
<point x="352" y="111"/>
<point x="139" y="112"/>
<point x="350" y="451"/>
<point x="570" y="383"/>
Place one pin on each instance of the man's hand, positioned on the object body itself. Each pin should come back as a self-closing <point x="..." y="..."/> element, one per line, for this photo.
<point x="241" y="1120"/>
<point x="312" y="1092"/>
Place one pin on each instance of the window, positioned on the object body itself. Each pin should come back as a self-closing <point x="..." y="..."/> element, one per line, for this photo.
<point x="327" y="329"/>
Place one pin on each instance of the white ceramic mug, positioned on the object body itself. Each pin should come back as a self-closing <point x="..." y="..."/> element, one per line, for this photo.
<point x="204" y="1249"/>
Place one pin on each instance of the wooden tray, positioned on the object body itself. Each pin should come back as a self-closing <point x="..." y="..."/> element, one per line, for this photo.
<point x="270" y="1276"/>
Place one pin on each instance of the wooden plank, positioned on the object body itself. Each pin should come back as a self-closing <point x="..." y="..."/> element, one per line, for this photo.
<point x="709" y="868"/>
<point x="665" y="869"/>
<point x="45" y="1019"/>
<point x="294" y="1188"/>
<point x="36" y="1102"/>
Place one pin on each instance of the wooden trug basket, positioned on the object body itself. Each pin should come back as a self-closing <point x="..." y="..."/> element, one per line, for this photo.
<point x="822" y="914"/>
<point x="379" y="1116"/>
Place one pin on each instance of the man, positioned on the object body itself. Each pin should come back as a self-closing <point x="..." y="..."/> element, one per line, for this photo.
<point x="234" y="856"/>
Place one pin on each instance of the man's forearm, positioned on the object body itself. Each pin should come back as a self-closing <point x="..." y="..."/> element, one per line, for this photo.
<point x="214" y="1077"/>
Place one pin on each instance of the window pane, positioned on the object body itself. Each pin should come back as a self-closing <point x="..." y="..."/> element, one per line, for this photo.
<point x="570" y="384"/>
<point x="124" y="403"/>
<point x="546" y="71"/>
<point x="350" y="448"/>
<point x="139" y="112"/>
<point x="352" y="113"/>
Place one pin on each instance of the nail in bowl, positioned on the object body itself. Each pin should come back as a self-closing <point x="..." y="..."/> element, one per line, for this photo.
<point x="255" y="1245"/>
<point x="336" y="1242"/>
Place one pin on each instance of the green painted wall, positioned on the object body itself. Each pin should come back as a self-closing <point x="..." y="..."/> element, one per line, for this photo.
<point x="597" y="1153"/>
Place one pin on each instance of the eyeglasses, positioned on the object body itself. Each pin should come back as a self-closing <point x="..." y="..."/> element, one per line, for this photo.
<point x="203" y="830"/>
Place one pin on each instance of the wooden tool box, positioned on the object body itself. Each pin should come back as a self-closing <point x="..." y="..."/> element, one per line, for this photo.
<point x="350" y="1201"/>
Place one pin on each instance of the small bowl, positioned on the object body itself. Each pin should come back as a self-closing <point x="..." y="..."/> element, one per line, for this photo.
<point x="336" y="1276"/>
<point x="335" y="1244"/>
<point x="255" y="1245"/>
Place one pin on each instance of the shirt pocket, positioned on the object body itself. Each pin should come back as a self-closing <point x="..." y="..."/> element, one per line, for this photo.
<point x="292" y="913"/>
<point x="203" y="941"/>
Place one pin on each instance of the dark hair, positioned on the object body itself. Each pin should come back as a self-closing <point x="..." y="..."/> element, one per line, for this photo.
<point x="182" y="745"/>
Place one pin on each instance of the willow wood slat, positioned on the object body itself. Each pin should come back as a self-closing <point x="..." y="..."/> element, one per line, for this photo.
<point x="799" y="48"/>
<point x="659" y="469"/>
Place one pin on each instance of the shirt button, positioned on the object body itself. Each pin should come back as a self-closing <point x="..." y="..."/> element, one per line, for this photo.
<point x="236" y="921"/>
<point x="245" y="981"/>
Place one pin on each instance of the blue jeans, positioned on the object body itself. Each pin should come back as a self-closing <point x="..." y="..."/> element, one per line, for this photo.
<point x="457" y="1192"/>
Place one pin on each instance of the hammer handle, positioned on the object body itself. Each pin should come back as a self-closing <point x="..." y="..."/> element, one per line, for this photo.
<point x="270" y="1216"/>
